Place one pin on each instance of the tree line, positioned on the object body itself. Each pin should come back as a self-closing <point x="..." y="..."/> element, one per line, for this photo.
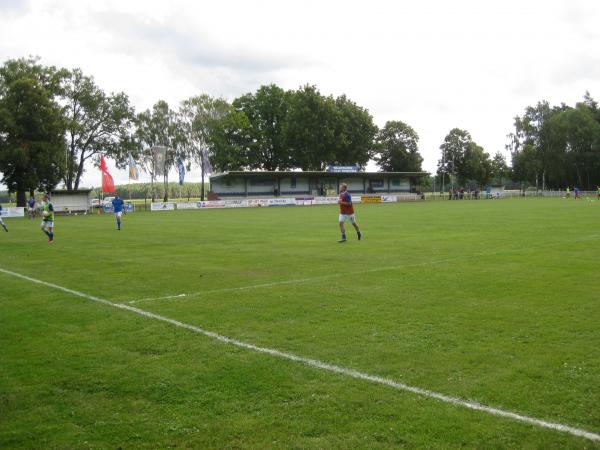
<point x="53" y="120"/>
<point x="142" y="191"/>
<point x="552" y="147"/>
<point x="558" y="146"/>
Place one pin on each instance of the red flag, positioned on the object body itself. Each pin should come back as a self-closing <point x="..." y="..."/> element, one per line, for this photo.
<point x="108" y="185"/>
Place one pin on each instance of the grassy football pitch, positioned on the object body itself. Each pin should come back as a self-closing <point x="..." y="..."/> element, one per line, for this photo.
<point x="494" y="302"/>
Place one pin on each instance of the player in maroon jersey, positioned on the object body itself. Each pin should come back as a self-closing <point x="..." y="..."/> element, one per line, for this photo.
<point x="347" y="212"/>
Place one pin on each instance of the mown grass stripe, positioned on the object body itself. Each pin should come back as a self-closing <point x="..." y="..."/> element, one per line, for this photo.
<point x="323" y="365"/>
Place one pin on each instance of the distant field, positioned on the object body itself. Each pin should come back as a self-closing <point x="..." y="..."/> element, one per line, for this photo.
<point x="495" y="302"/>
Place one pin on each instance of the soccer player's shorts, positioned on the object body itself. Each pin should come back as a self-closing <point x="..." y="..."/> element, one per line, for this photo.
<point x="30" y="210"/>
<point x="350" y="217"/>
<point x="47" y="224"/>
<point x="118" y="214"/>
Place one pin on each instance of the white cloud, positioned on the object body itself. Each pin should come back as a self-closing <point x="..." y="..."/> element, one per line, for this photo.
<point x="435" y="65"/>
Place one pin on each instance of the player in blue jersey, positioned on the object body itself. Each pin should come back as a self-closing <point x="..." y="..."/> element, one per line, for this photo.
<point x="31" y="207"/>
<point x="1" y="221"/>
<point x="118" y="208"/>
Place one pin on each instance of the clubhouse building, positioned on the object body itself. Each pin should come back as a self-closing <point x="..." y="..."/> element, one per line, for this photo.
<point x="230" y="185"/>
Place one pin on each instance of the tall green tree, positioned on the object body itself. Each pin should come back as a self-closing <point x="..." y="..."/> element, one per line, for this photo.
<point x="32" y="147"/>
<point x="526" y="165"/>
<point x="532" y="132"/>
<point x="463" y="160"/>
<point x="354" y="134"/>
<point x="160" y="126"/>
<point x="230" y="141"/>
<point x="475" y="165"/>
<point x="309" y="129"/>
<point x="321" y="130"/>
<point x="453" y="149"/>
<point x="558" y="146"/>
<point x="584" y="141"/>
<point x="266" y="110"/>
<point x="96" y="123"/>
<point x="200" y="116"/>
<point x="397" y="148"/>
<point x="499" y="170"/>
<point x="592" y="106"/>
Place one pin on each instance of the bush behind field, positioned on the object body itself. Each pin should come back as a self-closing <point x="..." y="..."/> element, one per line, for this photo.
<point x="138" y="191"/>
<point x="144" y="190"/>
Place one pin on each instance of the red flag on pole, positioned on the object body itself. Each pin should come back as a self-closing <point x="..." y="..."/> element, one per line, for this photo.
<point x="108" y="185"/>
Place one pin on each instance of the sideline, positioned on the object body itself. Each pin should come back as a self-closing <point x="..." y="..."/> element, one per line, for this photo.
<point x="323" y="365"/>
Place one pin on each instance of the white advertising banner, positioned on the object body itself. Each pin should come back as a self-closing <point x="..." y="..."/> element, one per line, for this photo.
<point x="162" y="206"/>
<point x="212" y="204"/>
<point x="282" y="201"/>
<point x="325" y="201"/>
<point x="187" y="205"/>
<point x="236" y="203"/>
<point x="304" y="201"/>
<point x="408" y="197"/>
<point x="254" y="202"/>
<point x="225" y="204"/>
<point x="12" y="212"/>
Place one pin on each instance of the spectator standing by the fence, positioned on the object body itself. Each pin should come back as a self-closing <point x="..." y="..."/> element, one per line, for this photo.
<point x="31" y="207"/>
<point x="598" y="192"/>
<point x="568" y="192"/>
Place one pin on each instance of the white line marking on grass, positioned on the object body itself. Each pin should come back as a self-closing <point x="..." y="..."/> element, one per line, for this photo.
<point x="325" y="366"/>
<point x="357" y="272"/>
<point x="296" y="280"/>
<point x="167" y="297"/>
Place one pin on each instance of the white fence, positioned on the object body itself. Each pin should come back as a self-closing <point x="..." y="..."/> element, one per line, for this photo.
<point x="558" y="194"/>
<point x="281" y="201"/>
<point x="12" y="212"/>
<point x="512" y="194"/>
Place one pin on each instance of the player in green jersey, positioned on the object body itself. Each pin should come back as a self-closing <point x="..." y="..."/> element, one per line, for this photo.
<point x="48" y="219"/>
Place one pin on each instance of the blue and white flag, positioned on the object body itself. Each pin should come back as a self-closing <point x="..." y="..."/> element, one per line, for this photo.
<point x="133" y="170"/>
<point x="181" y="170"/>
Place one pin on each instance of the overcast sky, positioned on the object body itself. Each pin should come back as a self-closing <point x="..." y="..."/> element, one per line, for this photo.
<point x="435" y="65"/>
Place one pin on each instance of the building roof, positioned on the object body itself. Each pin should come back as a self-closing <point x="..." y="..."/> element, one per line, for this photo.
<point x="285" y="174"/>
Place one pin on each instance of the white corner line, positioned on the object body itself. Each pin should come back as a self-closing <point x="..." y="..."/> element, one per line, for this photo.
<point x="325" y="366"/>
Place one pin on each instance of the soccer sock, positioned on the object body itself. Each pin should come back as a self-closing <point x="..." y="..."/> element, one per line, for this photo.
<point x="118" y="223"/>
<point x="51" y="236"/>
<point x="344" y="236"/>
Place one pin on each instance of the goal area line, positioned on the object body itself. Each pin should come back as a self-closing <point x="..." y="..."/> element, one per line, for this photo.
<point x="317" y="278"/>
